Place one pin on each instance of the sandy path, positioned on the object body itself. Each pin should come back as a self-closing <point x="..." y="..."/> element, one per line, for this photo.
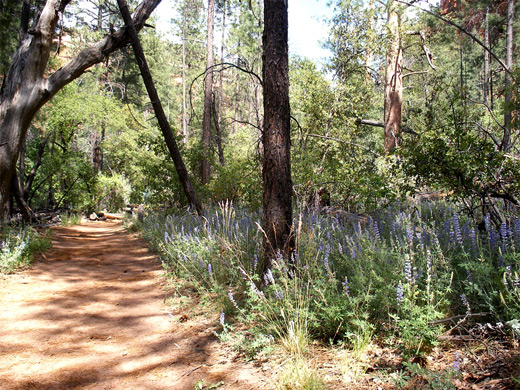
<point x="92" y="316"/>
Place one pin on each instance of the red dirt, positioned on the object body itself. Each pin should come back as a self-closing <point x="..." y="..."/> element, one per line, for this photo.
<point x="92" y="315"/>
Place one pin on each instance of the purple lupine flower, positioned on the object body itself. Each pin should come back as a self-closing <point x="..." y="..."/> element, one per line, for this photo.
<point x="408" y="270"/>
<point x="255" y="261"/>
<point x="456" y="229"/>
<point x="465" y="302"/>
<point x="295" y="257"/>
<point x="210" y="270"/>
<point x="256" y="290"/>
<point x="473" y="237"/>
<point x="232" y="298"/>
<point x="492" y="237"/>
<point x="346" y="287"/>
<point x="517" y="232"/>
<point x="409" y="234"/>
<point x="457" y="360"/>
<point x="503" y="231"/>
<point x="279" y="294"/>
<point x="270" y="276"/>
<point x="222" y="318"/>
<point x="376" y="231"/>
<point x="326" y="257"/>
<point x="399" y="294"/>
<point x="500" y="261"/>
<point x="166" y="238"/>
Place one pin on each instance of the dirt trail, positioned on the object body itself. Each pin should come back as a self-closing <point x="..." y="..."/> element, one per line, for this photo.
<point x="92" y="316"/>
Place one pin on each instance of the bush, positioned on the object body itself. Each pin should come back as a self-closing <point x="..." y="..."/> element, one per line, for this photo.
<point x="112" y="192"/>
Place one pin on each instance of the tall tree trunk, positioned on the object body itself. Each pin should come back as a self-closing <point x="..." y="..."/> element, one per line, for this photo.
<point x="208" y="96"/>
<point x="182" y="172"/>
<point x="277" y="198"/>
<point x="258" y="87"/>
<point x="393" y="80"/>
<point x="97" y="153"/>
<point x="369" y="56"/>
<point x="184" y="108"/>
<point x="27" y="88"/>
<point x="486" y="60"/>
<point x="237" y="92"/>
<point x="219" y="124"/>
<point x="506" y="140"/>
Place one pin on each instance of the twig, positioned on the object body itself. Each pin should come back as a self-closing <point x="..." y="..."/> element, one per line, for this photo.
<point x="187" y="373"/>
<point x="341" y="141"/>
<point x="458" y="317"/>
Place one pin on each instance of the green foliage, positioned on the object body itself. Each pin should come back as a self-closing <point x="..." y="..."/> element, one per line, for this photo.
<point x="113" y="192"/>
<point x="9" y="24"/>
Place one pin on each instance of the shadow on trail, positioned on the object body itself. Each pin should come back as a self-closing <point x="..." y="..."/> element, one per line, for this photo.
<point x="92" y="316"/>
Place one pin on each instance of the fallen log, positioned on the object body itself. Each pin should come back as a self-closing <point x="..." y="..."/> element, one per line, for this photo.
<point x="114" y="216"/>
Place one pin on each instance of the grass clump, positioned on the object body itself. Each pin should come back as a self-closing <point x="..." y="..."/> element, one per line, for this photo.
<point x="70" y="219"/>
<point x="298" y="374"/>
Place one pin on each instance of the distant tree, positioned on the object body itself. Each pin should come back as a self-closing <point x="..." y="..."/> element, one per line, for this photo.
<point x="28" y="86"/>
<point x="277" y="198"/>
<point x="393" y="79"/>
<point x="208" y="96"/>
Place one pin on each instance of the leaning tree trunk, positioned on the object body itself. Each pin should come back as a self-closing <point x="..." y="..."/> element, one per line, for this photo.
<point x="27" y="87"/>
<point x="506" y="140"/>
<point x="208" y="96"/>
<point x="182" y="172"/>
<point x="393" y="81"/>
<point x="277" y="198"/>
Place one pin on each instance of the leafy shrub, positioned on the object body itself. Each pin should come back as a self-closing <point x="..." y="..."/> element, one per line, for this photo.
<point x="113" y="192"/>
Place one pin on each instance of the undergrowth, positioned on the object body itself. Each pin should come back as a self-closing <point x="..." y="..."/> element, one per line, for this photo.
<point x="18" y="245"/>
<point x="393" y="277"/>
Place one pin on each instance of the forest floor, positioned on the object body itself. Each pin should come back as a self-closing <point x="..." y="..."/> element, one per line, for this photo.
<point x="97" y="312"/>
<point x="94" y="313"/>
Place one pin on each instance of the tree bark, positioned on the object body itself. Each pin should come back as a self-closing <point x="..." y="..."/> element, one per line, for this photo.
<point x="27" y="88"/>
<point x="184" y="109"/>
<point x="506" y="140"/>
<point x="219" y="124"/>
<point x="208" y="96"/>
<point x="393" y="81"/>
<point x="277" y="197"/>
<point x="159" y="112"/>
